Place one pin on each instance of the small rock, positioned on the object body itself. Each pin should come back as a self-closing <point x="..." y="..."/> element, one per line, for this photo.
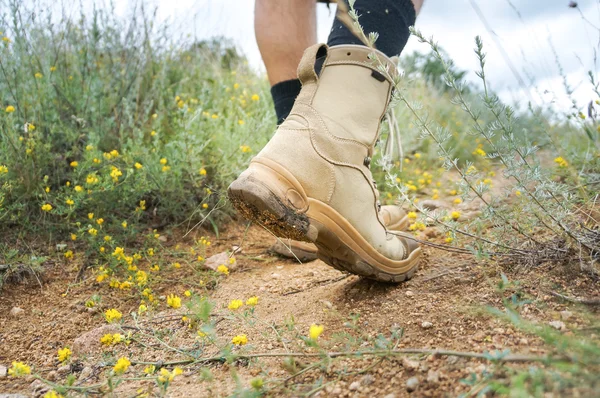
<point x="367" y="380"/>
<point x="63" y="370"/>
<point x="354" y="386"/>
<point x="38" y="388"/>
<point x="558" y="325"/>
<point x="85" y="373"/>
<point x="52" y="376"/>
<point x="89" y="342"/>
<point x="523" y="341"/>
<point x="412" y="384"/>
<point x="236" y="249"/>
<point x="17" y="312"/>
<point x="452" y="360"/>
<point x="162" y="238"/>
<point x="410" y="364"/>
<point x="432" y="204"/>
<point x="427" y="325"/>
<point x="433" y="376"/>
<point x="3" y="371"/>
<point x="222" y="258"/>
<point x="409" y="293"/>
<point x="565" y="315"/>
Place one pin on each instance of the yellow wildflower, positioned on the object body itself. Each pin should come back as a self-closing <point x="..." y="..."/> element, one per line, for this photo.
<point x="202" y="171"/>
<point x="3" y="169"/>
<point x="150" y="369"/>
<point x="142" y="308"/>
<point x="124" y="224"/>
<point x="69" y="254"/>
<point x="235" y="304"/>
<point x="455" y="215"/>
<point x="121" y="365"/>
<point x="64" y="354"/>
<point x="38" y="75"/>
<point x="53" y="394"/>
<point x="240" y="339"/>
<point x="112" y="315"/>
<point x="47" y="207"/>
<point x="223" y="269"/>
<point x="163" y="161"/>
<point x="315" y="331"/>
<point x="245" y="149"/>
<point x="561" y="162"/>
<point x="10" y="109"/>
<point x="74" y="163"/>
<point x="100" y="221"/>
<point x="205" y="205"/>
<point x="138" y="165"/>
<point x="412" y="215"/>
<point x="255" y="97"/>
<point x="115" y="174"/>
<point x="70" y="202"/>
<point x="173" y="301"/>
<point x="78" y="188"/>
<point x="241" y="122"/>
<point x="19" y="369"/>
<point x="187" y="293"/>
<point x="457" y="201"/>
<point x="252" y="301"/>
<point x="518" y="193"/>
<point x="73" y="237"/>
<point x="215" y="116"/>
<point x="479" y="152"/>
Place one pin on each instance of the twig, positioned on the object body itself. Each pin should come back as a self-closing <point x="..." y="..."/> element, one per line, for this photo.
<point x="317" y="284"/>
<point x="396" y="352"/>
<point x="576" y="300"/>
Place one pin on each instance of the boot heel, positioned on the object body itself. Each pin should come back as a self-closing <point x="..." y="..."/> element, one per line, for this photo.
<point x="268" y="197"/>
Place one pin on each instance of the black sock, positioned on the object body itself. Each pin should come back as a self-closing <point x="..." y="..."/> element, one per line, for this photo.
<point x="284" y="94"/>
<point x="390" y="18"/>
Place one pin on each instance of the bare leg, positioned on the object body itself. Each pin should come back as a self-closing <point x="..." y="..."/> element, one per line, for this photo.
<point x="284" y="29"/>
<point x="418" y="4"/>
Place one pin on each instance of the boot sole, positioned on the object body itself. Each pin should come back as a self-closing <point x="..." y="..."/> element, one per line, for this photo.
<point x="269" y="195"/>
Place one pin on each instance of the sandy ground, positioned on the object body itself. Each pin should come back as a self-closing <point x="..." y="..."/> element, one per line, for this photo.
<point x="443" y="307"/>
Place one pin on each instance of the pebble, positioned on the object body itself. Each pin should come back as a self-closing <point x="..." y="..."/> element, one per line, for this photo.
<point x="17" y="312"/>
<point x="410" y="364"/>
<point x="366" y="380"/>
<point x="433" y="376"/>
<point x="409" y="293"/>
<point x="64" y="370"/>
<point x="222" y="258"/>
<point x="427" y="325"/>
<point x="38" y="388"/>
<point x="52" y="376"/>
<point x="432" y="204"/>
<point x="85" y="373"/>
<point x="412" y="384"/>
<point x="89" y="342"/>
<point x="354" y="386"/>
<point x="3" y="371"/>
<point x="565" y="315"/>
<point x="558" y="325"/>
<point x="452" y="359"/>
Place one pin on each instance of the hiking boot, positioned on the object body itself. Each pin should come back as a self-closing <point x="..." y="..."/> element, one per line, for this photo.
<point x="312" y="181"/>
<point x="393" y="217"/>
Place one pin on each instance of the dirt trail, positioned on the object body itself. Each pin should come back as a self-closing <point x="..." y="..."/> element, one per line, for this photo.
<point x="441" y="308"/>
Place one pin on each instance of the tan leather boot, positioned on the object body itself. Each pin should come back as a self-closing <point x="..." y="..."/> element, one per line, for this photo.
<point x="312" y="181"/>
<point x="393" y="217"/>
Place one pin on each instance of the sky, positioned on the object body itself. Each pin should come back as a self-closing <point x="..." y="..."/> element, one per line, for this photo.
<point x="522" y="38"/>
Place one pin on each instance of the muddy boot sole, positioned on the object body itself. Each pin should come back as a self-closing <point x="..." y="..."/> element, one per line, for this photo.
<point x="269" y="195"/>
